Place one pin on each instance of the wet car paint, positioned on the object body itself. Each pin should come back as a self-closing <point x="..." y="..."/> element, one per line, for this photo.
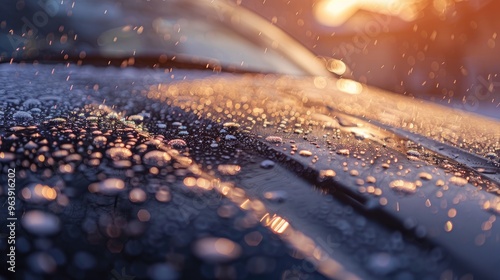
<point x="260" y="152"/>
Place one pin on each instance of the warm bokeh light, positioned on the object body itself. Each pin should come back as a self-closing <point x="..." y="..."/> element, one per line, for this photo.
<point x="337" y="12"/>
<point x="349" y="86"/>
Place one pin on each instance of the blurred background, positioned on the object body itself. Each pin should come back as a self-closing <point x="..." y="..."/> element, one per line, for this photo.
<point x="446" y="51"/>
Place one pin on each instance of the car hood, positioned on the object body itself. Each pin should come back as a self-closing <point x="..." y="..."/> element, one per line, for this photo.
<point x="279" y="147"/>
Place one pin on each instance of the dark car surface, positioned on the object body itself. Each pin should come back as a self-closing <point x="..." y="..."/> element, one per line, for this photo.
<point x="140" y="166"/>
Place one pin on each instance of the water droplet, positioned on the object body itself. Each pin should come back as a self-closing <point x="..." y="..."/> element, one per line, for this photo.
<point x="41" y="223"/>
<point x="325" y="174"/>
<point x="492" y="205"/>
<point x="230" y="137"/>
<point x="382" y="263"/>
<point x="491" y="156"/>
<point x="177" y="143"/>
<point x="459" y="181"/>
<point x="216" y="250"/>
<point x="60" y="153"/>
<point x="92" y="119"/>
<point x="413" y="153"/>
<point x="425" y="176"/>
<point x="57" y="120"/>
<point x="30" y="103"/>
<point x="305" y="153"/>
<point x="110" y="186"/>
<point x="118" y="153"/>
<point x="136" y="118"/>
<point x="274" y="139"/>
<point x="229" y="169"/>
<point x="22" y="116"/>
<point x="137" y="195"/>
<point x="267" y="164"/>
<point x="100" y="141"/>
<point x="163" y="195"/>
<point x="156" y="158"/>
<point x="214" y="145"/>
<point x="403" y="186"/>
<point x="30" y="145"/>
<point x="231" y="125"/>
<point x="6" y="157"/>
<point x="344" y="152"/>
<point x="276" y="196"/>
<point x="38" y="193"/>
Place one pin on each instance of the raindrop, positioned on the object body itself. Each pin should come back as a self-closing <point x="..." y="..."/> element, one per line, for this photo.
<point x="230" y="137"/>
<point x="32" y="102"/>
<point x="305" y="153"/>
<point x="41" y="223"/>
<point x="6" y="157"/>
<point x="21" y="116"/>
<point x="42" y="263"/>
<point x="382" y="263"/>
<point x="156" y="158"/>
<point x="110" y="186"/>
<point x="231" y="125"/>
<point x="229" y="169"/>
<point x="325" y="174"/>
<point x="57" y="120"/>
<point x="413" y="153"/>
<point x="344" y="152"/>
<point x="137" y="195"/>
<point x="119" y="153"/>
<point x="425" y="176"/>
<point x="216" y="250"/>
<point x="274" y="139"/>
<point x="136" y="118"/>
<point x="30" y="145"/>
<point x="403" y="186"/>
<point x="267" y="164"/>
<point x="459" y="181"/>
<point x="38" y="193"/>
<point x="492" y="205"/>
<point x="276" y="196"/>
<point x="100" y="141"/>
<point x="177" y="143"/>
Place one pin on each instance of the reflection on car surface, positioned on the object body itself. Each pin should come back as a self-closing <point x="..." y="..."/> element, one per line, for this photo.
<point x="167" y="173"/>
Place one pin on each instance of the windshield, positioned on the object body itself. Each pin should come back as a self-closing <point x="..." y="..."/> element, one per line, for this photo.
<point x="214" y="34"/>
